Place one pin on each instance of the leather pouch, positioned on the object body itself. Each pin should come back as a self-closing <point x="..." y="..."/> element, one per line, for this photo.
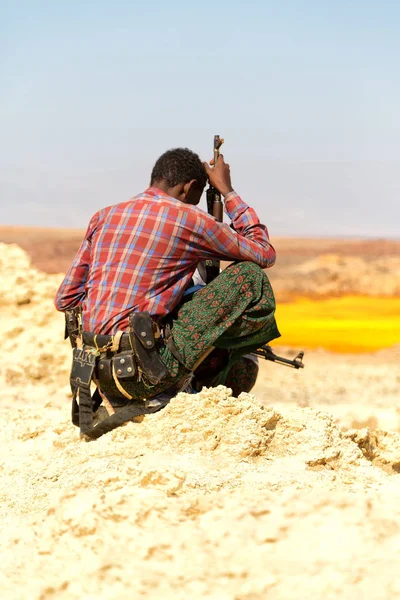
<point x="143" y="343"/>
<point x="104" y="370"/>
<point x="124" y="364"/>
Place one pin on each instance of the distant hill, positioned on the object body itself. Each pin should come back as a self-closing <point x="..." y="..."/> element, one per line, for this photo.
<point x="52" y="250"/>
<point x="317" y="267"/>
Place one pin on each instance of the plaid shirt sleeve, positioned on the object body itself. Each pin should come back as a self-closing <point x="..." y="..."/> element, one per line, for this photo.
<point x="245" y="239"/>
<point x="72" y="290"/>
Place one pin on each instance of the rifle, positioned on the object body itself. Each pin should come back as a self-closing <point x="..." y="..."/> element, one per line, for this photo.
<point x="215" y="208"/>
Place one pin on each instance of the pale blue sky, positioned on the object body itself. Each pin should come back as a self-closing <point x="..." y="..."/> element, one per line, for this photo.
<point x="306" y="94"/>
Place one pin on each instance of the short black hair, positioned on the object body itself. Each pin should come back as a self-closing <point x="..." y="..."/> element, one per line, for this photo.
<point x="179" y="165"/>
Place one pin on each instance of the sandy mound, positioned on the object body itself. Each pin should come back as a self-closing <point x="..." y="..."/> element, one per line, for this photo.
<point x="213" y="497"/>
<point x="20" y="283"/>
<point x="334" y="275"/>
<point x="29" y="323"/>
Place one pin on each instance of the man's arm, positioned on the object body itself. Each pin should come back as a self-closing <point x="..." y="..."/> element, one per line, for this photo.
<point x="247" y="238"/>
<point x="72" y="290"/>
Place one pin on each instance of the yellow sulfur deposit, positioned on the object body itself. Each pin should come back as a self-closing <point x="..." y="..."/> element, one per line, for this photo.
<point x="347" y="324"/>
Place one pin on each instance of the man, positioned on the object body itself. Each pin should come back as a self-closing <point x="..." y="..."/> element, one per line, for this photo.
<point x="139" y="257"/>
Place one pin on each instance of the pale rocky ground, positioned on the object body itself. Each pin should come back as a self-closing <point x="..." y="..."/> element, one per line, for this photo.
<point x="359" y="390"/>
<point x="290" y="493"/>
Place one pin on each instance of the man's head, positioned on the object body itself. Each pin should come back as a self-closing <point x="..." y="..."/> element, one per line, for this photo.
<point x="180" y="174"/>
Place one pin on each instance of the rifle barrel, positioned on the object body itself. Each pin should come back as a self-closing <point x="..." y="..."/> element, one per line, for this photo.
<point x="267" y="353"/>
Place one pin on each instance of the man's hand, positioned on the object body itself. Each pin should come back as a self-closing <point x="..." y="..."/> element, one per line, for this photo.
<point x="219" y="175"/>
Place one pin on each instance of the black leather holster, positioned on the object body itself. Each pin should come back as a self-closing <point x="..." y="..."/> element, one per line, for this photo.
<point x="142" y="331"/>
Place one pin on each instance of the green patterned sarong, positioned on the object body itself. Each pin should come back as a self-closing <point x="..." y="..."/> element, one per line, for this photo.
<point x="235" y="311"/>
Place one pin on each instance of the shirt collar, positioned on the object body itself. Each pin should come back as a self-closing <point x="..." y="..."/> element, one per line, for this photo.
<point x="155" y="191"/>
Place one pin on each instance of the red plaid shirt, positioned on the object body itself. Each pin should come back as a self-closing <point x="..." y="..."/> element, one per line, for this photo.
<point x="140" y="255"/>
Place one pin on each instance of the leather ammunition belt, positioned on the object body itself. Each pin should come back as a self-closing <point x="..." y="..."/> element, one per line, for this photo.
<point x="125" y="355"/>
<point x="105" y="341"/>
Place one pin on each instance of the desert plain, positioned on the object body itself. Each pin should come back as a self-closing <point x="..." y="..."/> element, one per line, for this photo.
<point x="290" y="492"/>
